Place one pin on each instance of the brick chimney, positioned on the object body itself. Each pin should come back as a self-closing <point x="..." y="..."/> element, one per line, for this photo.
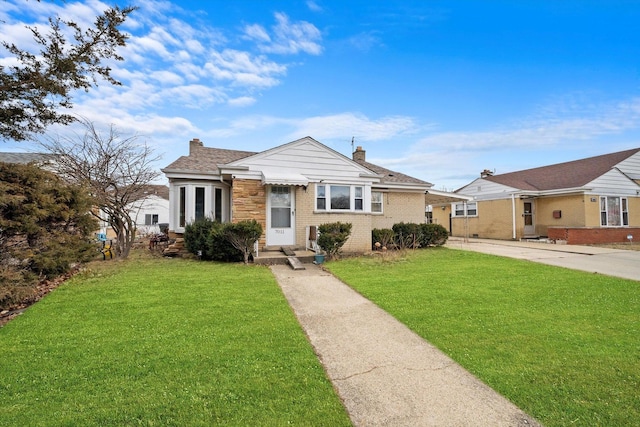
<point x="195" y="142"/>
<point x="359" y="155"/>
<point x="485" y="173"/>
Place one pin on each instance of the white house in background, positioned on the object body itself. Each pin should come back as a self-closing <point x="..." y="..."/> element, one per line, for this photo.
<point x="151" y="213"/>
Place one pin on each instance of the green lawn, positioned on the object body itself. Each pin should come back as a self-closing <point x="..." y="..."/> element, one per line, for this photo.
<point x="561" y="344"/>
<point x="163" y="342"/>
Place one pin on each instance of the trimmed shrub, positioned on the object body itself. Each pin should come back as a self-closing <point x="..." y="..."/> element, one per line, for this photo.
<point x="206" y="238"/>
<point x="408" y="235"/>
<point x="242" y="235"/>
<point x="384" y="236"/>
<point x="433" y="235"/>
<point x="197" y="235"/>
<point x="332" y="237"/>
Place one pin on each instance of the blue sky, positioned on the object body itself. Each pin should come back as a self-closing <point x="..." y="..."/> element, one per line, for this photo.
<point x="439" y="90"/>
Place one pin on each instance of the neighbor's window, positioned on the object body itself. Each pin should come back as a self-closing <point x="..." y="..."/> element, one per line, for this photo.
<point x="376" y="201"/>
<point x="150" y="219"/>
<point x="466" y="209"/>
<point x="614" y="211"/>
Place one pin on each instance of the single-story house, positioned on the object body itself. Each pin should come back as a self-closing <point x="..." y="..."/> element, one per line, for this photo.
<point x="592" y="200"/>
<point x="150" y="212"/>
<point x="290" y="189"/>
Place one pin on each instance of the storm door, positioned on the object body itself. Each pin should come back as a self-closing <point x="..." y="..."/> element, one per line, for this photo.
<point x="281" y="224"/>
<point x="529" y="227"/>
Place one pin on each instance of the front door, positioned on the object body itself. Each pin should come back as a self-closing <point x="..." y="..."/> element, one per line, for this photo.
<point x="281" y="216"/>
<point x="529" y="227"/>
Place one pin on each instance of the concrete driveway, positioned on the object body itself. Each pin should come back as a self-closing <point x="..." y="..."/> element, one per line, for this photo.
<point x="612" y="262"/>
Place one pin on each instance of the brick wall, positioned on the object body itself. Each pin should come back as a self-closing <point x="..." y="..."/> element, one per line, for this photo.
<point x="593" y="235"/>
<point x="400" y="207"/>
<point x="360" y="239"/>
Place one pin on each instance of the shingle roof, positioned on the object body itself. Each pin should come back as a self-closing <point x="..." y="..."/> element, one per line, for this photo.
<point x="158" y="190"/>
<point x="572" y="174"/>
<point x="390" y="176"/>
<point x="205" y="159"/>
<point x="25" y="158"/>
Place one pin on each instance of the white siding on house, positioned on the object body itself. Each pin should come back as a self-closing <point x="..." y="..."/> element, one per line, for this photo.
<point x="151" y="205"/>
<point x="481" y="189"/>
<point x="613" y="183"/>
<point x="308" y="158"/>
<point x="631" y="166"/>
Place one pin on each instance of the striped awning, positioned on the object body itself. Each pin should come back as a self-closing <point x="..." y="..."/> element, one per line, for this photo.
<point x="283" y="178"/>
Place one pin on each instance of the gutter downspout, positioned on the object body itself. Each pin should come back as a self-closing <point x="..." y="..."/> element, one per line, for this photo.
<point x="513" y="215"/>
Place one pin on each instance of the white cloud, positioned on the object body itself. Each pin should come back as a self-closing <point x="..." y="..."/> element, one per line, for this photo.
<point x="242" y="101"/>
<point x="347" y="125"/>
<point x="288" y="37"/>
<point x="257" y="32"/>
<point x="314" y="6"/>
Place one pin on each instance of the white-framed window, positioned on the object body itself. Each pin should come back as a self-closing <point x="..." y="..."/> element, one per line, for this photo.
<point x="465" y="209"/>
<point x="196" y="200"/>
<point x="428" y="215"/>
<point x="358" y="199"/>
<point x="614" y="211"/>
<point x="340" y="198"/>
<point x="376" y="201"/>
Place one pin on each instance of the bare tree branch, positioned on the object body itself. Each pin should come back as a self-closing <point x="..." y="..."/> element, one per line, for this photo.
<point x="117" y="171"/>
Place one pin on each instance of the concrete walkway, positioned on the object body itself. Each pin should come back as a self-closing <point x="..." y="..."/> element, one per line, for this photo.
<point x="612" y="262"/>
<point x="385" y="374"/>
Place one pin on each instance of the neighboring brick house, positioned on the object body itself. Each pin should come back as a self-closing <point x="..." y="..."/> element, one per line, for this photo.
<point x="290" y="188"/>
<point x="592" y="200"/>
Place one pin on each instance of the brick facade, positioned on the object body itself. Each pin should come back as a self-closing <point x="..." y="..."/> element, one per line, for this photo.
<point x="593" y="235"/>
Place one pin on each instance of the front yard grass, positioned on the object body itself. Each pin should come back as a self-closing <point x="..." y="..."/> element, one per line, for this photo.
<point x="563" y="345"/>
<point x="163" y="342"/>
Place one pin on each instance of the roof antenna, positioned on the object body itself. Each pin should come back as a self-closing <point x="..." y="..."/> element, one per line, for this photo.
<point x="353" y="138"/>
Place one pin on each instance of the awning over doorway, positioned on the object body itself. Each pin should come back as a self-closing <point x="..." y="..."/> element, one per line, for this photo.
<point x="435" y="197"/>
<point x="283" y="178"/>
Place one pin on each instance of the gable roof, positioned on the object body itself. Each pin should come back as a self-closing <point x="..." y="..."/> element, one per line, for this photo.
<point x="161" y="191"/>
<point x="572" y="174"/>
<point x="206" y="159"/>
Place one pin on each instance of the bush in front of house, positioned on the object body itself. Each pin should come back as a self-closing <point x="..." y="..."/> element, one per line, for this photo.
<point x="243" y="235"/>
<point x="383" y="236"/>
<point x="206" y="238"/>
<point x="333" y="236"/>
<point x="407" y="235"/>
<point x="433" y="235"/>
